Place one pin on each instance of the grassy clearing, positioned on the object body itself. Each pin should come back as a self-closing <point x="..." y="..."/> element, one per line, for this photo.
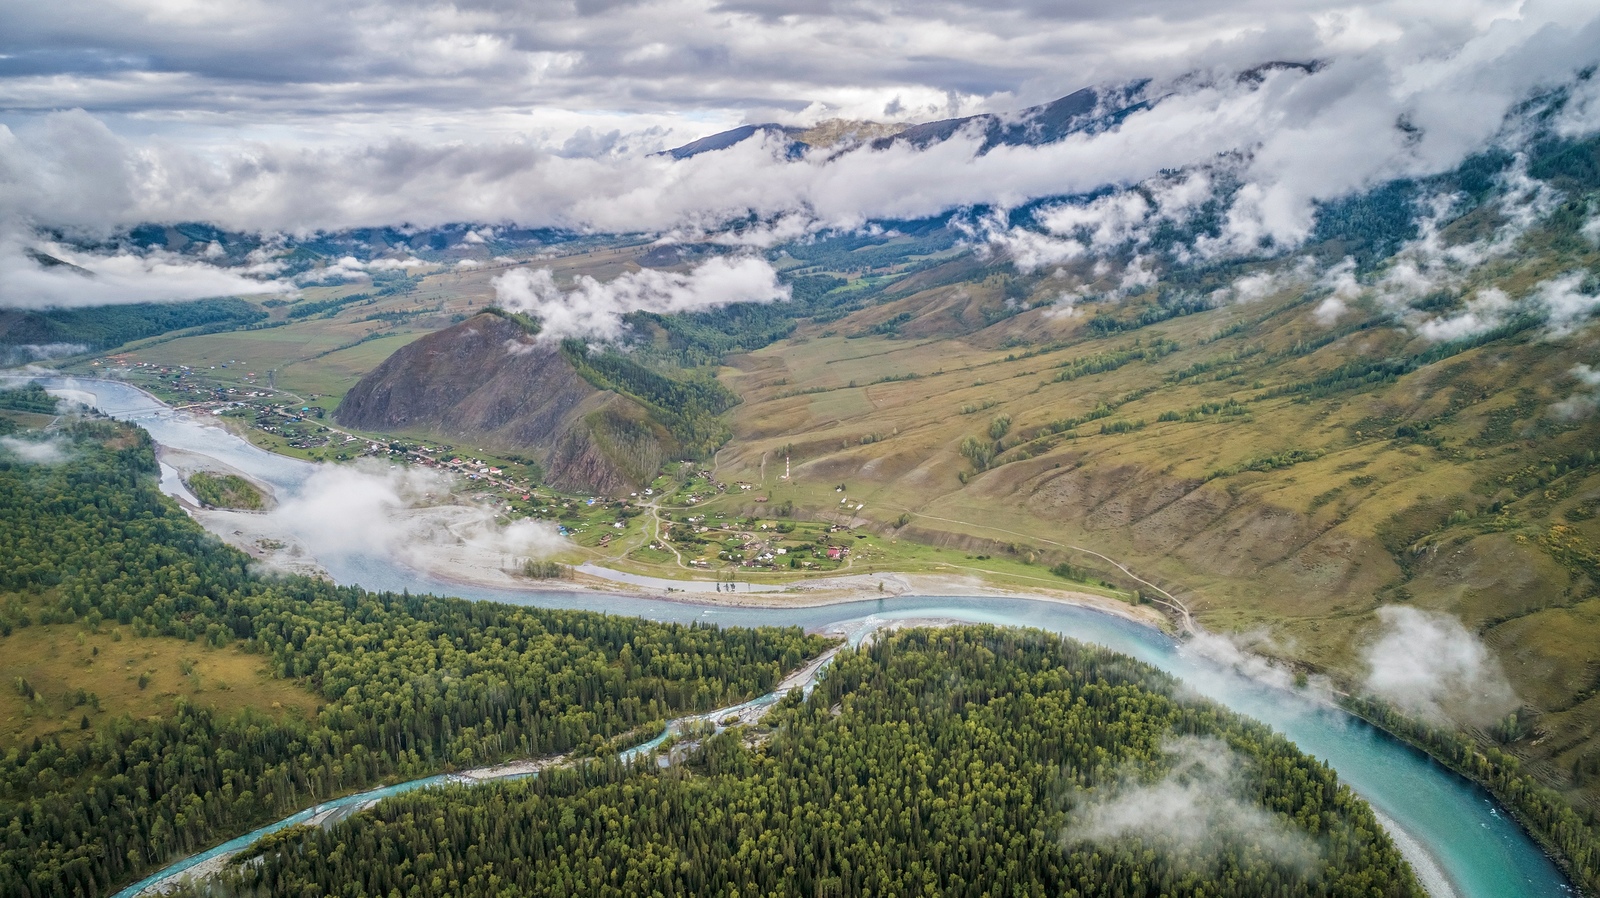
<point x="26" y="420"/>
<point x="77" y="674"/>
<point x="330" y="376"/>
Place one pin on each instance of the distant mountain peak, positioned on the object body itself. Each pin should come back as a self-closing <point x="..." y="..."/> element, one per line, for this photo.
<point x="45" y="260"/>
<point x="1086" y="110"/>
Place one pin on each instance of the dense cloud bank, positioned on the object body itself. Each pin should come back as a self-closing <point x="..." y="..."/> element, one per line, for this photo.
<point x="355" y="114"/>
<point x="595" y="310"/>
<point x="1386" y="101"/>
<point x="90" y="279"/>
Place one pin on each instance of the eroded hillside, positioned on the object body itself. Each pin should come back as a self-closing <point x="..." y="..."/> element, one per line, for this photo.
<point x="1286" y="471"/>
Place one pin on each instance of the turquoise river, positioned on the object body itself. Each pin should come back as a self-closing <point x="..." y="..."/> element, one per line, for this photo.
<point x="1461" y="842"/>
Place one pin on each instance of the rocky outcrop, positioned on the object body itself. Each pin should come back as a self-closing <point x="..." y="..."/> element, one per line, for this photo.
<point x="488" y="382"/>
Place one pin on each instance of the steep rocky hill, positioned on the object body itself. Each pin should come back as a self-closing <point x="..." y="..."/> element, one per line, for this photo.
<point x="489" y="381"/>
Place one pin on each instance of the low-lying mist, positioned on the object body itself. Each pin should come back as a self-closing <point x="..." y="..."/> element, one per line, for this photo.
<point x="405" y="515"/>
<point x="1198" y="807"/>
<point x="1430" y="665"/>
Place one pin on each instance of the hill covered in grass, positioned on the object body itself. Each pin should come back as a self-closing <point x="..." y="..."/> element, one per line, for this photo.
<point x="1399" y="413"/>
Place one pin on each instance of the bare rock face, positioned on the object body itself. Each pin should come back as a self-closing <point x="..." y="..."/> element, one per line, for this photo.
<point x="488" y="382"/>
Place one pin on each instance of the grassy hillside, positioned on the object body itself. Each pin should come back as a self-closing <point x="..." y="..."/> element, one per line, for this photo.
<point x="1286" y="474"/>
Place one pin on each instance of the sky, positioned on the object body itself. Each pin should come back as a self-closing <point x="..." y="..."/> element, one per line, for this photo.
<point x="295" y="115"/>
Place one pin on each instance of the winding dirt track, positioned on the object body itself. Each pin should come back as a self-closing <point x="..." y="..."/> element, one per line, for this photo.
<point x="1185" y="619"/>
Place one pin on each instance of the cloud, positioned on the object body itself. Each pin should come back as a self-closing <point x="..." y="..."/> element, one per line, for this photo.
<point x="1591" y="229"/>
<point x="124" y="277"/>
<point x="405" y="514"/>
<point x="1583" y="403"/>
<point x="22" y="353"/>
<point x="593" y="309"/>
<point x="1430" y="665"/>
<point x="1120" y="221"/>
<point x="1261" y="284"/>
<point x="1431" y="267"/>
<point x="1561" y="301"/>
<point x="1566" y="303"/>
<point x="342" y="270"/>
<point x="406" y="264"/>
<point x="1340" y="281"/>
<point x="37" y="452"/>
<point x="1243" y="653"/>
<point x="1485" y="311"/>
<point x="299" y="116"/>
<point x="1199" y="807"/>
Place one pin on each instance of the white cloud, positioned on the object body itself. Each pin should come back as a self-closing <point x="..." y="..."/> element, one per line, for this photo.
<point x="1197" y="808"/>
<point x="21" y="353"/>
<point x="406" y="514"/>
<point x="1329" y="311"/>
<point x="123" y="277"/>
<point x="1072" y="230"/>
<point x="1564" y="301"/>
<point x="1585" y="402"/>
<point x="1591" y="229"/>
<point x="1030" y="250"/>
<point x="1561" y="301"/>
<point x="344" y="268"/>
<point x="408" y="263"/>
<point x="1430" y="665"/>
<point x="299" y="116"/>
<point x="37" y="452"/>
<point x="593" y="309"/>
<point x="1064" y="305"/>
<point x="1340" y="281"/>
<point x="1485" y="311"/>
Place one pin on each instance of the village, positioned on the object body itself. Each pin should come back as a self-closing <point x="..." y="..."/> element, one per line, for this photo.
<point x="706" y="533"/>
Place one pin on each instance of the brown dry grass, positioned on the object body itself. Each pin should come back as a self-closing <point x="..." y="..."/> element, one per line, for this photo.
<point x="60" y="659"/>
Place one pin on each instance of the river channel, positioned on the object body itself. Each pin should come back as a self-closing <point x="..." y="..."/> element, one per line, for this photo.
<point x="1461" y="842"/>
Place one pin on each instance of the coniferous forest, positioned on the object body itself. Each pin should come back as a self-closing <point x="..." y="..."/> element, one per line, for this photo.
<point x="408" y="684"/>
<point x="973" y="761"/>
<point x="968" y="761"/>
